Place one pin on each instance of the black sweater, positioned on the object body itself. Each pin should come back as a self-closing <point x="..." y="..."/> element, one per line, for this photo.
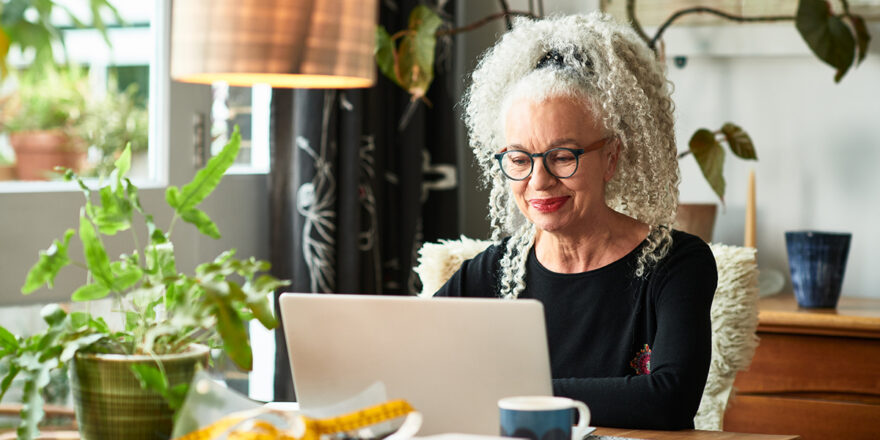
<point x="635" y="350"/>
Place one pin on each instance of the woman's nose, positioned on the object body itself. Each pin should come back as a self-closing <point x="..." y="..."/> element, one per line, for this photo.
<point x="541" y="178"/>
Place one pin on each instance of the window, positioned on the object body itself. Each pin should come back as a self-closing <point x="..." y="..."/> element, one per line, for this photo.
<point x="249" y="108"/>
<point x="91" y="109"/>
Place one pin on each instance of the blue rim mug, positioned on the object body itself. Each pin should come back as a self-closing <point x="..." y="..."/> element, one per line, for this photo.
<point x="543" y="418"/>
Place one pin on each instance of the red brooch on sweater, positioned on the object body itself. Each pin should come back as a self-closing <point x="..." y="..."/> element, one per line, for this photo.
<point x="642" y="362"/>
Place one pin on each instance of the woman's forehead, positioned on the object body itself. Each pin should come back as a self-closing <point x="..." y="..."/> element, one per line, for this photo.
<point x="549" y="120"/>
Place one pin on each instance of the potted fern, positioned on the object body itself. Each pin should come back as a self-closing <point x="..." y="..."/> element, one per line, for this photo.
<point x="127" y="381"/>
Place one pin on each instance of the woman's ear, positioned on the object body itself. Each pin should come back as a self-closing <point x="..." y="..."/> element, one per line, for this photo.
<point x="611" y="153"/>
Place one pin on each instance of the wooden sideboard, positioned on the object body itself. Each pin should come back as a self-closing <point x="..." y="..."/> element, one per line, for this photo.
<point x="816" y="372"/>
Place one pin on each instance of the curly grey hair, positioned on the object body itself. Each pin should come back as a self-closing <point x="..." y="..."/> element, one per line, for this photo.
<point x="604" y="65"/>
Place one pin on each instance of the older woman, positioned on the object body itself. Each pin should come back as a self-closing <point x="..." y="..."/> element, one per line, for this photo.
<point x="571" y="121"/>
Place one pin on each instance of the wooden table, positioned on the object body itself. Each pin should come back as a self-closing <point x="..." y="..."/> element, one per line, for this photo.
<point x="632" y="433"/>
<point x="816" y="372"/>
<point x="690" y="434"/>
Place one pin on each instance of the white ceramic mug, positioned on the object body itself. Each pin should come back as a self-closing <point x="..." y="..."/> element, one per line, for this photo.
<point x="543" y="418"/>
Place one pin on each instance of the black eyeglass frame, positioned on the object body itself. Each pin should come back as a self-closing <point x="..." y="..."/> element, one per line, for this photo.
<point x="576" y="151"/>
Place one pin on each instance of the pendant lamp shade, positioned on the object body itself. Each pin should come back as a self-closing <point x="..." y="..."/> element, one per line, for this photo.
<point x="284" y="43"/>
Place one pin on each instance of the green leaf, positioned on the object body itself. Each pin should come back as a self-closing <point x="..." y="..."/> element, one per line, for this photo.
<point x="114" y="214"/>
<point x="51" y="261"/>
<point x="151" y="378"/>
<point x="415" y="60"/>
<point x="8" y="341"/>
<point x="826" y="35"/>
<point x="201" y="221"/>
<point x="267" y="284"/>
<point x="90" y="292"/>
<point x="125" y="274"/>
<point x="261" y="307"/>
<point x="79" y="320"/>
<point x="862" y="36"/>
<point x="32" y="403"/>
<point x="207" y="179"/>
<point x="234" y="334"/>
<point x="132" y="320"/>
<point x="710" y="156"/>
<point x="123" y="163"/>
<point x="177" y="395"/>
<point x="739" y="141"/>
<point x="156" y="235"/>
<point x="53" y="314"/>
<point x="172" y="196"/>
<point x="160" y="259"/>
<point x="133" y="196"/>
<point x="70" y="348"/>
<point x="96" y="256"/>
<point x="7" y="380"/>
<point x="385" y="54"/>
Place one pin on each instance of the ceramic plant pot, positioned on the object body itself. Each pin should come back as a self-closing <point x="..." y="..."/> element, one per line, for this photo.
<point x="697" y="219"/>
<point x="37" y="153"/>
<point x="817" y="261"/>
<point x="109" y="400"/>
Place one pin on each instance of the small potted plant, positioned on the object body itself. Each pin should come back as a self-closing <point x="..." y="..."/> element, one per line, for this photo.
<point x="127" y="381"/>
<point x="41" y="117"/>
<point x="706" y="147"/>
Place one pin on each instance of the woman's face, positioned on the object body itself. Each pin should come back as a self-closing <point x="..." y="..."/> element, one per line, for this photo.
<point x="553" y="204"/>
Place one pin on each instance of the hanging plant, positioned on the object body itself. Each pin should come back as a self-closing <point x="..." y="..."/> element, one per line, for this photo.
<point x="410" y="63"/>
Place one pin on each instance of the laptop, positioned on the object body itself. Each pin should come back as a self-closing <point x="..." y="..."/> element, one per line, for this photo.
<point x="451" y="358"/>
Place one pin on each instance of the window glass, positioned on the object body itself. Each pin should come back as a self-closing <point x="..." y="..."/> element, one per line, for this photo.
<point x="249" y="108"/>
<point x="78" y="104"/>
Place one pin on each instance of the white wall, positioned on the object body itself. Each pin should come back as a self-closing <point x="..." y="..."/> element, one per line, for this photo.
<point x="817" y="141"/>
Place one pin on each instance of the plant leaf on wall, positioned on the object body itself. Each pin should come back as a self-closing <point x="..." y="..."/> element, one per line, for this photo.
<point x="862" y="36"/>
<point x="710" y="156"/>
<point x="827" y="35"/>
<point x="739" y="141"/>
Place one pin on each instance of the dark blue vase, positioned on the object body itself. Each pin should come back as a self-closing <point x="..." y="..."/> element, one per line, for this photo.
<point x="817" y="261"/>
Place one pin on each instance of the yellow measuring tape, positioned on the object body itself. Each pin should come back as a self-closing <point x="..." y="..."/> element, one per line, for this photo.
<point x="243" y="428"/>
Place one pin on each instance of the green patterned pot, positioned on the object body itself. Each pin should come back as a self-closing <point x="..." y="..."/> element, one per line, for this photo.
<point x="109" y="400"/>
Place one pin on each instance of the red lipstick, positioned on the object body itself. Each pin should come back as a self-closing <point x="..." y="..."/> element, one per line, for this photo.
<point x="549" y="204"/>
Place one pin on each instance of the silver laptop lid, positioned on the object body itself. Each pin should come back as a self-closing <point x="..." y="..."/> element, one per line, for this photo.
<point x="452" y="359"/>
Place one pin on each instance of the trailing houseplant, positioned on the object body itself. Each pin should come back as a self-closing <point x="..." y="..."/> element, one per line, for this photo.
<point x="163" y="311"/>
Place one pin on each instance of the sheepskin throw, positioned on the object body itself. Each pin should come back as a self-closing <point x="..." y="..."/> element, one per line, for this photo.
<point x="734" y="313"/>
<point x="734" y="321"/>
<point x="438" y="261"/>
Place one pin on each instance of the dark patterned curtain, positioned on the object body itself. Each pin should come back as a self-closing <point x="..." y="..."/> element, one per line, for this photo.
<point x="356" y="187"/>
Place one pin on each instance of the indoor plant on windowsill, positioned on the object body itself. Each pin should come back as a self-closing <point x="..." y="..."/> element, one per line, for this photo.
<point x="169" y="317"/>
<point x="41" y="117"/>
<point x="111" y="122"/>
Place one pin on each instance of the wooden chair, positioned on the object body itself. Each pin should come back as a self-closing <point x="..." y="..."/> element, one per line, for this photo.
<point x="734" y="313"/>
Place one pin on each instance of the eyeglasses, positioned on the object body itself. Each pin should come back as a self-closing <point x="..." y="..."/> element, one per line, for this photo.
<point x="561" y="162"/>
